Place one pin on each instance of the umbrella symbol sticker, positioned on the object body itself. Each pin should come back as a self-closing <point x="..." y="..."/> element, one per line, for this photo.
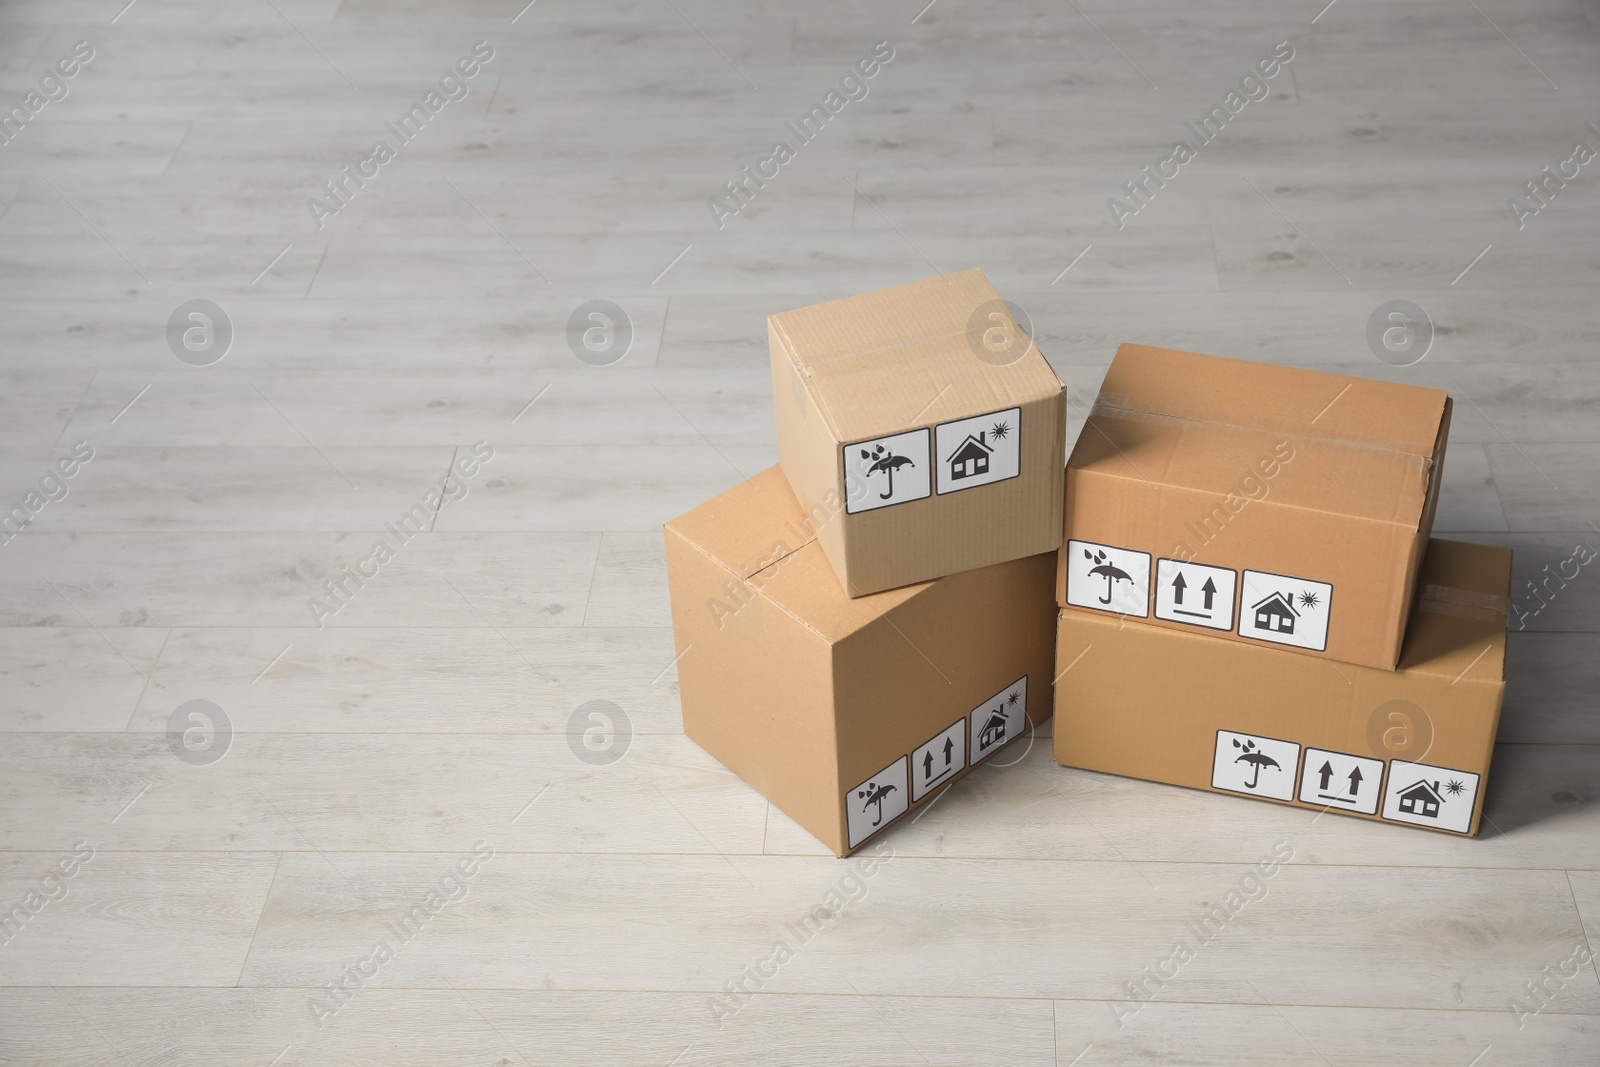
<point x="885" y="460"/>
<point x="1111" y="571"/>
<point x="874" y="794"/>
<point x="1256" y="758"/>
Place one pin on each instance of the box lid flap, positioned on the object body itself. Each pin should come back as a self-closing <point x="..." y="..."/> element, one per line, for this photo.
<point x="1284" y="400"/>
<point x="911" y="355"/>
<point x="1358" y="447"/>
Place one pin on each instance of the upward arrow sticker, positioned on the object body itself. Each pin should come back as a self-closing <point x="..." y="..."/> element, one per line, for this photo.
<point x="1340" y="780"/>
<point x="1195" y="594"/>
<point x="939" y="759"/>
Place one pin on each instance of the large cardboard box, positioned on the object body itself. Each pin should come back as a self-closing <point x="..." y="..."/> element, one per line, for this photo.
<point x="848" y="714"/>
<point x="1254" y="503"/>
<point x="1409" y="746"/>
<point x="925" y="425"/>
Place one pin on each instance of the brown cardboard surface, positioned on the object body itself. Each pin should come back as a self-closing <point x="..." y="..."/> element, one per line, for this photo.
<point x="1238" y="466"/>
<point x="1440" y="709"/>
<point x="900" y="369"/>
<point x="808" y="694"/>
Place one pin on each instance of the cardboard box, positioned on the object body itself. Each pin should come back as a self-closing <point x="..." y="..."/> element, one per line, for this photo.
<point x="925" y="425"/>
<point x="848" y="714"/>
<point x="1253" y="502"/>
<point x="1410" y="746"/>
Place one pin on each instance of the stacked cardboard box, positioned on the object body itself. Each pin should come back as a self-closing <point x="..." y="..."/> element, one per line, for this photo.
<point x="1230" y="524"/>
<point x="863" y="626"/>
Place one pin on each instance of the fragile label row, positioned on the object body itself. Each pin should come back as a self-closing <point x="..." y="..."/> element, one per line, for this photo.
<point x="1257" y="604"/>
<point x="981" y="450"/>
<point x="1415" y="793"/>
<point x="968" y="741"/>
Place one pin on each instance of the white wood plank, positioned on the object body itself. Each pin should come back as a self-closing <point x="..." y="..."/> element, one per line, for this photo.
<point x="296" y="334"/>
<point x="1258" y="1035"/>
<point x="423" y="1028"/>
<point x="1419" y="938"/>
<point x="246" y="489"/>
<point x="1467" y="497"/>
<point x="381" y="792"/>
<point x="1551" y="679"/>
<point x="217" y="579"/>
<point x="131" y="918"/>
<point x="460" y="408"/>
<point x="35" y="406"/>
<point x="630" y="584"/>
<point x="1547" y="486"/>
<point x="382" y="680"/>
<point x="73" y="678"/>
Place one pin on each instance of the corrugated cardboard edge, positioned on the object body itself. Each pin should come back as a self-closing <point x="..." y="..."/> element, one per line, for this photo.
<point x="745" y="581"/>
<point x="1504" y="594"/>
<point x="753" y="766"/>
<point x="779" y="341"/>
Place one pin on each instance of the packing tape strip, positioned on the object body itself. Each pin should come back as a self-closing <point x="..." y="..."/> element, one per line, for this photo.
<point x="1463" y="603"/>
<point x="1119" y="408"/>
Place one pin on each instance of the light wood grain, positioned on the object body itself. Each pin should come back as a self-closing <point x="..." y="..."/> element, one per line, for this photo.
<point x="471" y="1024"/>
<point x="1418" y="938"/>
<point x="442" y="704"/>
<point x="132" y="918"/>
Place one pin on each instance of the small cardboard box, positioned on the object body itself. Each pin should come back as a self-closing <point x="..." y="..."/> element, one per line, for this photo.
<point x="1409" y="746"/>
<point x="1254" y="503"/>
<point x="848" y="714"/>
<point x="925" y="424"/>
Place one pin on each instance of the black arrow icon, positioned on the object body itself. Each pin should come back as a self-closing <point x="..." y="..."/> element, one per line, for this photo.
<point x="1178" y="586"/>
<point x="1327" y="773"/>
<point x="927" y="765"/>
<point x="949" y="746"/>
<point x="1210" y="590"/>
<point x="1355" y="781"/>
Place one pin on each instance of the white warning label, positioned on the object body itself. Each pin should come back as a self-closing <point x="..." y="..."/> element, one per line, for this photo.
<point x="877" y="802"/>
<point x="938" y="761"/>
<point x="1341" y="781"/>
<point x="1195" y="594"/>
<point x="978" y="451"/>
<point x="999" y="719"/>
<point x="1255" y="765"/>
<point x="1430" y="796"/>
<point x="1285" y="611"/>
<point x="1107" y="578"/>
<point x="884" y="471"/>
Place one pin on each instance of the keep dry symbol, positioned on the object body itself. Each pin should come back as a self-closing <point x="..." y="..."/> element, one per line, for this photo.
<point x="874" y="795"/>
<point x="1111" y="571"/>
<point x="1256" y="758"/>
<point x="885" y="460"/>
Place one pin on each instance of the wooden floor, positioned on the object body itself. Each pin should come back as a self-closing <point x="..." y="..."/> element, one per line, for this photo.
<point x="437" y="710"/>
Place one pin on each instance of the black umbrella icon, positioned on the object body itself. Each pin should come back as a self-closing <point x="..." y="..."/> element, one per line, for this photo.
<point x="1255" y="758"/>
<point x="886" y="461"/>
<point x="1111" y="571"/>
<point x="874" y="794"/>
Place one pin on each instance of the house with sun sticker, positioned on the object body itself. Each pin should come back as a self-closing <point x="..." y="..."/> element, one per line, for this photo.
<point x="1276" y="613"/>
<point x="993" y="732"/>
<point x="1421" y="799"/>
<point x="971" y="457"/>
